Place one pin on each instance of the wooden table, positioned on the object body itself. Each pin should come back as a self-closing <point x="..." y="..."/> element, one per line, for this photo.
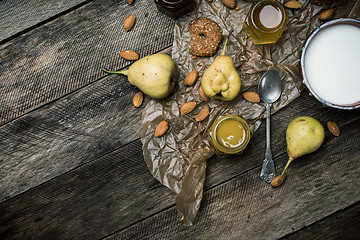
<point x="71" y="163"/>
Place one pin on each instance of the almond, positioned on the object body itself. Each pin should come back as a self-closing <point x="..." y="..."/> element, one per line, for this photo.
<point x="129" y="22"/>
<point x="187" y="107"/>
<point x="191" y="78"/>
<point x="203" y="114"/>
<point x="161" y="128"/>
<point x="333" y="128"/>
<point x="229" y="3"/>
<point x="129" y="55"/>
<point x="202" y="95"/>
<point x="327" y="14"/>
<point x="138" y="99"/>
<point x="293" y="4"/>
<point x="130" y="1"/>
<point x="251" y="97"/>
<point x="276" y="182"/>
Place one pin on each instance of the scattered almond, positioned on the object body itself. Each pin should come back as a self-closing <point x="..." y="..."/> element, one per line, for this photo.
<point x="251" y="97"/>
<point x="276" y="182"/>
<point x="187" y="107"/>
<point x="129" y="22"/>
<point x="237" y="8"/>
<point x="130" y="1"/>
<point x="229" y="3"/>
<point x="293" y="4"/>
<point x="333" y="128"/>
<point x="209" y="0"/>
<point x="203" y="114"/>
<point x="138" y="99"/>
<point x="129" y="55"/>
<point x="191" y="78"/>
<point x="202" y="95"/>
<point x="161" y="128"/>
<point x="327" y="14"/>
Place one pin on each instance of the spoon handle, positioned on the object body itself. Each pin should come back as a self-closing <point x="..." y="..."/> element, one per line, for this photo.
<point x="268" y="168"/>
<point x="268" y="150"/>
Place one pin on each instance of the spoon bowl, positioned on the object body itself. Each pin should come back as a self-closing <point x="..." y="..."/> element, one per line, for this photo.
<point x="270" y="86"/>
<point x="269" y="91"/>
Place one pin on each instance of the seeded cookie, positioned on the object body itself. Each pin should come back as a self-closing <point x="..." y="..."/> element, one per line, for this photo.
<point x="205" y="37"/>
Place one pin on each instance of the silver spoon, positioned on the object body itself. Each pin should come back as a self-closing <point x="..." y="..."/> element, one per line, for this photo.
<point x="269" y="91"/>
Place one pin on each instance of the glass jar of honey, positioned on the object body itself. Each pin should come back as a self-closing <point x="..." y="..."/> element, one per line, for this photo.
<point x="230" y="134"/>
<point x="175" y="8"/>
<point x="265" y="22"/>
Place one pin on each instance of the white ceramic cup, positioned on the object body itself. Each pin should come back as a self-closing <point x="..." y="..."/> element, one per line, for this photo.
<point x="330" y="63"/>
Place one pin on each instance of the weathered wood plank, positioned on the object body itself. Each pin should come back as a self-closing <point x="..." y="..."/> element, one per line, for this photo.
<point x="245" y="208"/>
<point x="68" y="53"/>
<point x="87" y="203"/>
<point x="344" y="224"/>
<point x="116" y="191"/>
<point x="16" y="17"/>
<point x="66" y="134"/>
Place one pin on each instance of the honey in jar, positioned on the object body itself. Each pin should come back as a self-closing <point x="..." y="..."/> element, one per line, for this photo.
<point x="265" y="22"/>
<point x="230" y="134"/>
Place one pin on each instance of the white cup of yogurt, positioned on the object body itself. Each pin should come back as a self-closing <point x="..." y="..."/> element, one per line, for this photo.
<point x="330" y="63"/>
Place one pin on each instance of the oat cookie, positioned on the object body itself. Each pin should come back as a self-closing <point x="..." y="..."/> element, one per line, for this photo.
<point x="205" y="37"/>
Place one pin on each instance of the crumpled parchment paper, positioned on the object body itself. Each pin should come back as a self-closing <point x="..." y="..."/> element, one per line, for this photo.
<point x="178" y="158"/>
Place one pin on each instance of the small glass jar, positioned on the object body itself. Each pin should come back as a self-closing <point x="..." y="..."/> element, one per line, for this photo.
<point x="265" y="22"/>
<point x="230" y="134"/>
<point x="175" y="8"/>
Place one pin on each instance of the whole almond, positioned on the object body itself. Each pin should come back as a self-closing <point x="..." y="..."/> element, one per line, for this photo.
<point x="138" y="99"/>
<point x="187" y="107"/>
<point x="276" y="182"/>
<point x="129" y="55"/>
<point x="293" y="4"/>
<point x="229" y="3"/>
<point x="161" y="128"/>
<point x="327" y="14"/>
<point x="203" y="114"/>
<point x="251" y="97"/>
<point x="191" y="78"/>
<point x="202" y="95"/>
<point x="129" y="22"/>
<point x="333" y="128"/>
<point x="130" y="1"/>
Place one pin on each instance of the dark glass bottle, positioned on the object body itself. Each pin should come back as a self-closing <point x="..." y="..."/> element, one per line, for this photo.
<point x="175" y="8"/>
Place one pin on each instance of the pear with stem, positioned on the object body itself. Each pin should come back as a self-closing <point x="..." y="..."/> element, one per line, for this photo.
<point x="155" y="75"/>
<point x="304" y="135"/>
<point x="221" y="80"/>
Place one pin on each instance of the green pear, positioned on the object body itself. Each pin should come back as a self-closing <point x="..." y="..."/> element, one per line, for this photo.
<point x="155" y="75"/>
<point x="304" y="135"/>
<point x="221" y="80"/>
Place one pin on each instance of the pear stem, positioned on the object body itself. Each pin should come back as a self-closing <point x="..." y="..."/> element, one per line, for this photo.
<point x="226" y="41"/>
<point x="287" y="164"/>
<point x="124" y="72"/>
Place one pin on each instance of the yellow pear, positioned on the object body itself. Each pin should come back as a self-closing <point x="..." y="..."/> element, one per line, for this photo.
<point x="221" y="80"/>
<point x="304" y="135"/>
<point x="155" y="75"/>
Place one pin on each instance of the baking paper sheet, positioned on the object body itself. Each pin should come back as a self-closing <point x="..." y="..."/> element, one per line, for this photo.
<point x="178" y="158"/>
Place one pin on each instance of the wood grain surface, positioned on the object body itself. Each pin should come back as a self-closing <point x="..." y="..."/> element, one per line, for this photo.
<point x="71" y="163"/>
<point x="235" y="197"/>
<point x="69" y="52"/>
<point x="17" y="17"/>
